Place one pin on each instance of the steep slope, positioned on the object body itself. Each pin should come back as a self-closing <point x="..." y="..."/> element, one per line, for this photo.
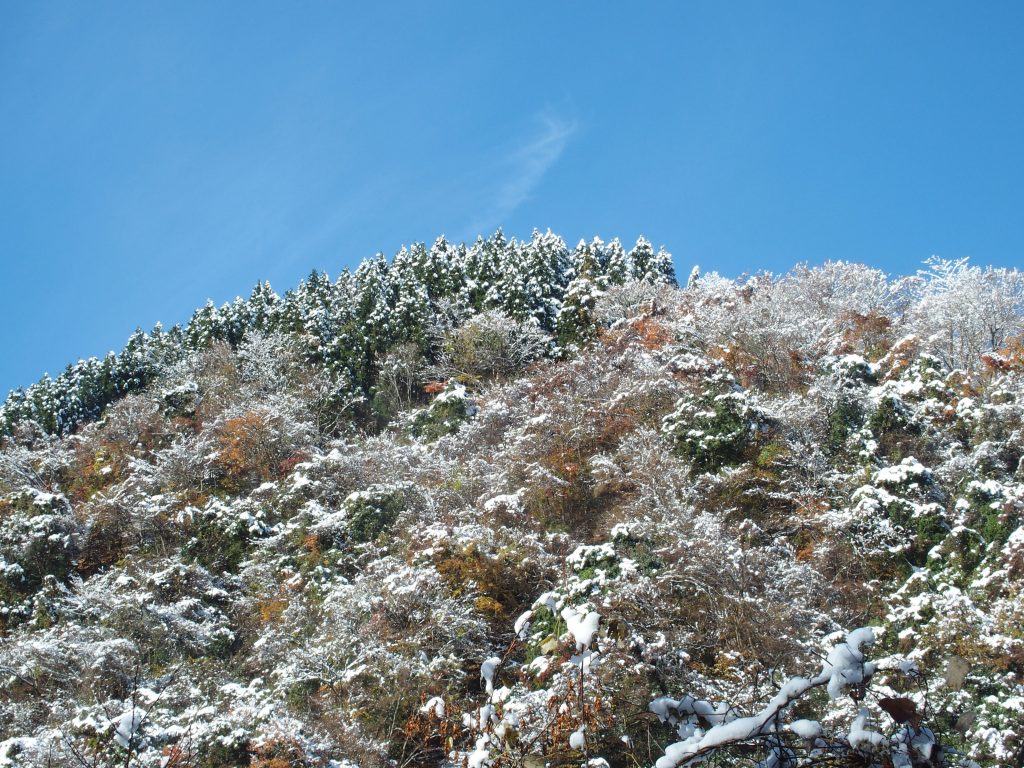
<point x="607" y="527"/>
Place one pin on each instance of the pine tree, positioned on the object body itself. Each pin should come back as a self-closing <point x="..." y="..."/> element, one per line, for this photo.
<point x="263" y="307"/>
<point x="617" y="263"/>
<point x="577" y="323"/>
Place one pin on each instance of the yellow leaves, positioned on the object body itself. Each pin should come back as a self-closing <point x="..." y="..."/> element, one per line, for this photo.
<point x="272" y="609"/>
<point x="498" y="581"/>
<point x="241" y="442"/>
<point x="486" y="604"/>
<point x="249" y="450"/>
<point x="549" y="644"/>
<point x="278" y="753"/>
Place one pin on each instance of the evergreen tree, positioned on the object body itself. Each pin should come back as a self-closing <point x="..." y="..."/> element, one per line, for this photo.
<point x="647" y="265"/>
<point x="263" y="307"/>
<point x="617" y="263"/>
<point x="485" y="262"/>
<point x="204" y="327"/>
<point x="577" y="323"/>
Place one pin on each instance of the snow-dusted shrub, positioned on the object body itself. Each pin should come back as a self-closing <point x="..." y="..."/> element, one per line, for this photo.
<point x="446" y="413"/>
<point x="180" y="401"/>
<point x="43" y="466"/>
<point x="994" y="509"/>
<point x="37" y="541"/>
<point x="168" y="613"/>
<point x="894" y="426"/>
<point x="368" y="513"/>
<point x="714" y="427"/>
<point x="110" y="533"/>
<point x="187" y="466"/>
<point x="219" y="535"/>
<point x="631" y="300"/>
<point x="893" y="734"/>
<point x="268" y="363"/>
<point x="214" y="371"/>
<point x="843" y="393"/>
<point x="398" y="380"/>
<point x="500" y="581"/>
<point x="253" y="446"/>
<point x="489" y="345"/>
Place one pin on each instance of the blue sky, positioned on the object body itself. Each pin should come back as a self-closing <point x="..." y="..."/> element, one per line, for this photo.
<point x="156" y="154"/>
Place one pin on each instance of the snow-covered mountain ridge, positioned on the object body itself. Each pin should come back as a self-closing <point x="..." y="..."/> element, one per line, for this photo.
<point x="516" y="504"/>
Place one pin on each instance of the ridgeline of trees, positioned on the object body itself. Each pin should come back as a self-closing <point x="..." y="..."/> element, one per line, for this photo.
<point x="348" y="326"/>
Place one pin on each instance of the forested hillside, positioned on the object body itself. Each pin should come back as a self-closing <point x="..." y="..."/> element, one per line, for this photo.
<point x="519" y="504"/>
<point x="346" y="330"/>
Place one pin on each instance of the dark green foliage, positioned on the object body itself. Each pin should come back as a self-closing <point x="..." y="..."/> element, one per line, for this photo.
<point x="890" y="416"/>
<point x="449" y="411"/>
<point x="576" y="322"/>
<point x="645" y="264"/>
<point x="640" y="551"/>
<point x="996" y="525"/>
<point x="894" y="427"/>
<point x="180" y="402"/>
<point x="37" y="540"/>
<point x="216" y="544"/>
<point x="714" y="428"/>
<point x="990" y="514"/>
<point x="844" y="418"/>
<point x="219" y="754"/>
<point x="963" y="549"/>
<point x="925" y="526"/>
<point x="371" y="512"/>
<point x="929" y="529"/>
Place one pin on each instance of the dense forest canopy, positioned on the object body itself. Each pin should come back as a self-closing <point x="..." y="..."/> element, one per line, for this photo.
<point x="520" y="504"/>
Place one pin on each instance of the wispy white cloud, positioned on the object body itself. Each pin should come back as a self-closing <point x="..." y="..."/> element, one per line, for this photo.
<point x="520" y="172"/>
